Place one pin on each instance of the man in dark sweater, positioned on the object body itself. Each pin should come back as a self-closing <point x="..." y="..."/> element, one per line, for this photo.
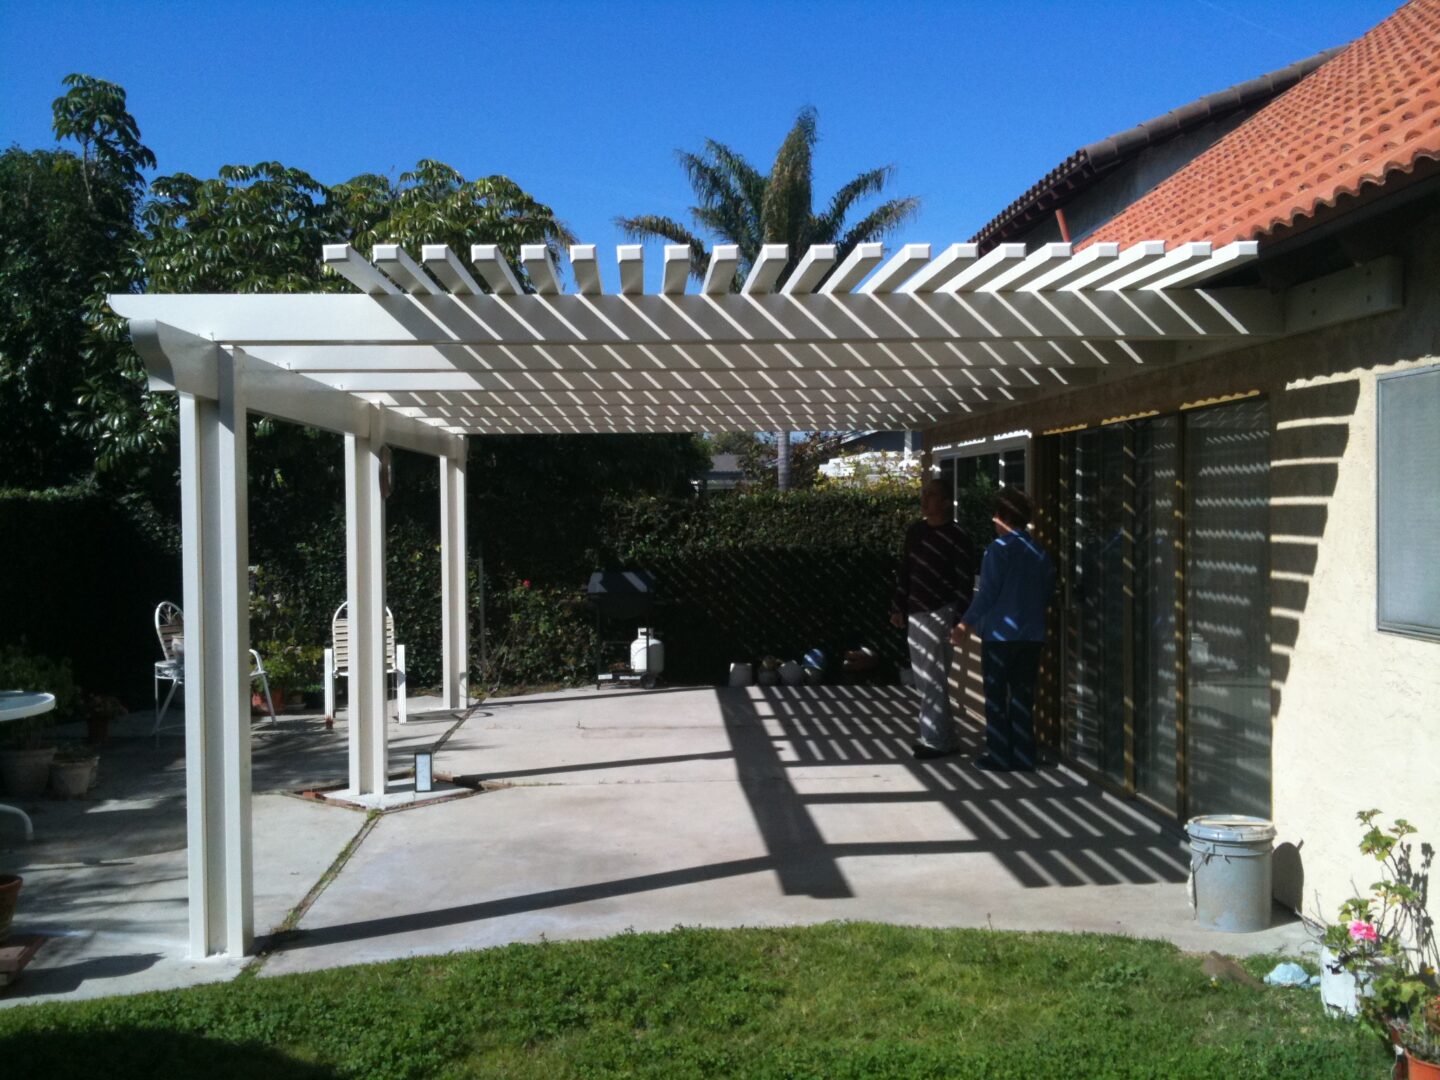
<point x="936" y="578"/>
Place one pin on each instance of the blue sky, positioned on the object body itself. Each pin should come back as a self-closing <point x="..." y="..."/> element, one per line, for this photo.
<point x="584" y="103"/>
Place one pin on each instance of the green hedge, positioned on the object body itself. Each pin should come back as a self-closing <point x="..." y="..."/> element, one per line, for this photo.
<point x="766" y="573"/>
<point x="745" y="574"/>
<point x="80" y="575"/>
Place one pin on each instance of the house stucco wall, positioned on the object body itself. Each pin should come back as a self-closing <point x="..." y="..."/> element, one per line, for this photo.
<point x="1355" y="711"/>
<point x="1358" y="719"/>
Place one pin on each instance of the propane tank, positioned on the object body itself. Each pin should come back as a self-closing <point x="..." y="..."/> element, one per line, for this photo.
<point x="647" y="653"/>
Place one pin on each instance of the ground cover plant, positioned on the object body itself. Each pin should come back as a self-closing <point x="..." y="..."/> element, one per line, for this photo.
<point x="836" y="1001"/>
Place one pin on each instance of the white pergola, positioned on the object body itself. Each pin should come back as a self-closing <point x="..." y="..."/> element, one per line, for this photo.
<point x="429" y="351"/>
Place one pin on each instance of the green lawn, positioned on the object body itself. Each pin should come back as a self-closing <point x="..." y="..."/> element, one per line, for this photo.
<point x="834" y="1001"/>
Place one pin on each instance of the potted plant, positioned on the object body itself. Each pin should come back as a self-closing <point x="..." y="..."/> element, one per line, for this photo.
<point x="27" y="746"/>
<point x="72" y="772"/>
<point x="1386" y="942"/>
<point x="1418" y="1037"/>
<point x="290" y="668"/>
<point x="99" y="710"/>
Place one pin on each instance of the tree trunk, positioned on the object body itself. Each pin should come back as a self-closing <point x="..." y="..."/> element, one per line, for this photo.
<point x="782" y="460"/>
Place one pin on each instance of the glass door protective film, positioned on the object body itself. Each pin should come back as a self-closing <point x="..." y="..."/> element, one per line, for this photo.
<point x="1157" y="607"/>
<point x="1227" y="576"/>
<point x="1095" y="601"/>
<point x="1164" y="540"/>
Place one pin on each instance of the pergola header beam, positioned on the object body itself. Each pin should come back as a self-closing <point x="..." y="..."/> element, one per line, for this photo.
<point x="697" y="320"/>
<point x="188" y="364"/>
<point x="688" y="358"/>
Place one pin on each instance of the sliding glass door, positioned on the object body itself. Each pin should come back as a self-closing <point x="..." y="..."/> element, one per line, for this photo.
<point x="1095" y="599"/>
<point x="1156" y="634"/>
<point x="1164" y="530"/>
<point x="1227" y="687"/>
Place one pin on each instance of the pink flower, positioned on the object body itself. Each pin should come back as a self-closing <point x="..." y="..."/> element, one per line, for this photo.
<point x="1362" y="931"/>
<point x="526" y="583"/>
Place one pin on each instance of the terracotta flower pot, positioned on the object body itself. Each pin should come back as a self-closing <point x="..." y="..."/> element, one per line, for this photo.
<point x="1416" y="1069"/>
<point x="9" y="894"/>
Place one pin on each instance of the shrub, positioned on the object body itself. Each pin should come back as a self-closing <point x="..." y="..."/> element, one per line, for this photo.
<point x="543" y="635"/>
<point x="22" y="670"/>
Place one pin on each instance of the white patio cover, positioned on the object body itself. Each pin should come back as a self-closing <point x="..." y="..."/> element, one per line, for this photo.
<point x="433" y="347"/>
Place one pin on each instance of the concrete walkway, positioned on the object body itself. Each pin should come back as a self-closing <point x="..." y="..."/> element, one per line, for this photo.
<point x="602" y="812"/>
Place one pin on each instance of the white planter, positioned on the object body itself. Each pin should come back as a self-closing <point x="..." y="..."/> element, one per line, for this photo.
<point x="741" y="674"/>
<point x="1338" y="988"/>
<point x="791" y="674"/>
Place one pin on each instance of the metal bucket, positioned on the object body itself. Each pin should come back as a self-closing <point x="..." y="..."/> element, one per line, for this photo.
<point x="1230" y="884"/>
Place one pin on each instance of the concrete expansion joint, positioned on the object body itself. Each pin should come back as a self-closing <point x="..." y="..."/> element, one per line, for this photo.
<point x="288" y="930"/>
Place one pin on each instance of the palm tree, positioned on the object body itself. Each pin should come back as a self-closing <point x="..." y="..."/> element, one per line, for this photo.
<point x="742" y="206"/>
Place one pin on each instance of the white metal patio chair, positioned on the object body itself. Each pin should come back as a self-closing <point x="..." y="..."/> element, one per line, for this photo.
<point x="170" y="629"/>
<point x="337" y="661"/>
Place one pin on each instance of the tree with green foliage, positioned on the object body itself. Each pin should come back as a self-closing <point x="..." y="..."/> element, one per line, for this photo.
<point x="70" y="385"/>
<point x="434" y="204"/>
<point x="260" y="228"/>
<point x="740" y="205"/>
<point x="807" y="454"/>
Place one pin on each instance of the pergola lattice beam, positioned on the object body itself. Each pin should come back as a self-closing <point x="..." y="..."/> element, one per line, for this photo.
<point x="449" y="345"/>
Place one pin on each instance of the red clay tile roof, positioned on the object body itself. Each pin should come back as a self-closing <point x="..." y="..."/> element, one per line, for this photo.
<point x="1370" y="113"/>
<point x="1090" y="164"/>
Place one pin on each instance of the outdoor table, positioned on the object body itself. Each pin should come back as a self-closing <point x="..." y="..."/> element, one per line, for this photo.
<point x="17" y="705"/>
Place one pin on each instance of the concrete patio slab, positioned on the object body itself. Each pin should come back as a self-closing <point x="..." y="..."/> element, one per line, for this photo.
<point x="601" y="812"/>
<point x="616" y="810"/>
<point x="105" y="878"/>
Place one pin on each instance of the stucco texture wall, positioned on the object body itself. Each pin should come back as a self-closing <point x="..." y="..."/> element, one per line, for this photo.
<point x="1357" y="719"/>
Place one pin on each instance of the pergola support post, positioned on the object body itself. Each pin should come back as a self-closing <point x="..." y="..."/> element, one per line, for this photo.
<point x="454" y="635"/>
<point x="215" y="558"/>
<point x="365" y="597"/>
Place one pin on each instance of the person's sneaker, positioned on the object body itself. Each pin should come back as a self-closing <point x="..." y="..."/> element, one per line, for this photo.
<point x="927" y="753"/>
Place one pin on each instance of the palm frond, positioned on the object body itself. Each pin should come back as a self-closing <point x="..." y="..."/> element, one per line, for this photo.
<point x="785" y="212"/>
<point x="658" y="227"/>
<point x="879" y="223"/>
<point x="743" y="176"/>
<point x="831" y="224"/>
<point x="655" y="227"/>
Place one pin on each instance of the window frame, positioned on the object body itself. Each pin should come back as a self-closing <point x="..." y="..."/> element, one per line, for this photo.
<point x="1389" y="626"/>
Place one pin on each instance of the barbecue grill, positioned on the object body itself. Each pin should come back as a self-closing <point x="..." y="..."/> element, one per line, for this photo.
<point x="621" y="601"/>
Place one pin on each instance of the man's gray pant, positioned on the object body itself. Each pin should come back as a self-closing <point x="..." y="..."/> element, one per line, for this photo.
<point x="930" y="651"/>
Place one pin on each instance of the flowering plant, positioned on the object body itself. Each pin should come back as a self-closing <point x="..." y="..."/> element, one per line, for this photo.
<point x="1386" y="939"/>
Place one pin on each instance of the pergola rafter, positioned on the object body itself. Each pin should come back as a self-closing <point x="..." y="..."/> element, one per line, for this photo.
<point x="464" y="349"/>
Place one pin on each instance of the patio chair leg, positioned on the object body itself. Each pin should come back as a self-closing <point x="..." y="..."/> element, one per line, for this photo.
<point x="400" y="705"/>
<point x="161" y="710"/>
<point x="329" y="686"/>
<point x="269" y="704"/>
